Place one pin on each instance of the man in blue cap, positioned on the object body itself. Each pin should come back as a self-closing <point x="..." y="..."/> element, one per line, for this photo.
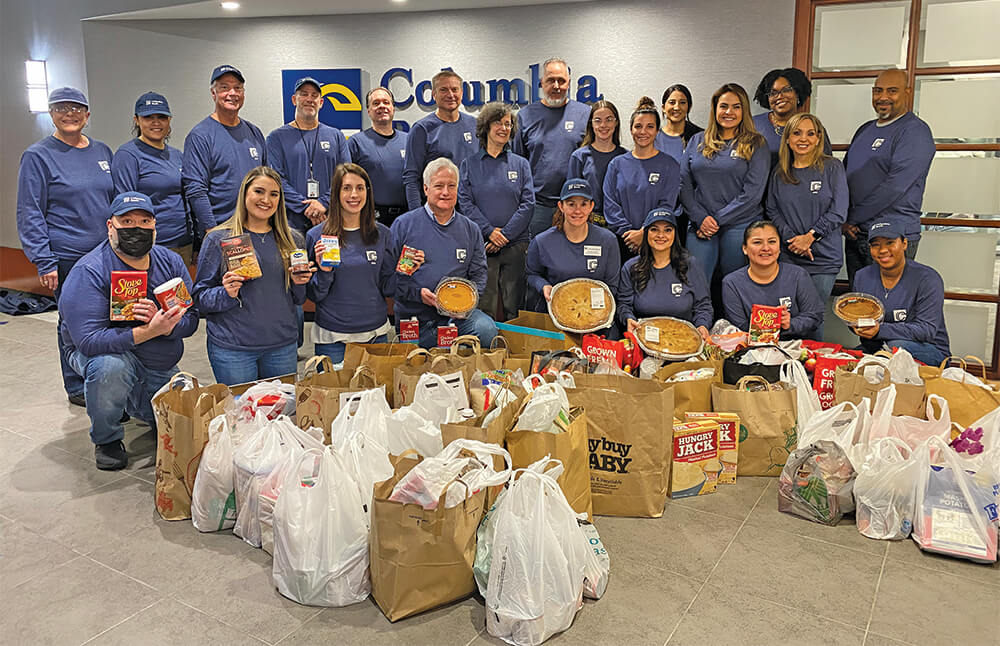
<point x="219" y="151"/>
<point x="305" y="152"/>
<point x="912" y="297"/>
<point x="123" y="363"/>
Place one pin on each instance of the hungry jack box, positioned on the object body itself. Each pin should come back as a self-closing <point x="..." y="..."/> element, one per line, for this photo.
<point x="729" y="441"/>
<point x="127" y="287"/>
<point x="765" y="325"/>
<point x="695" y="462"/>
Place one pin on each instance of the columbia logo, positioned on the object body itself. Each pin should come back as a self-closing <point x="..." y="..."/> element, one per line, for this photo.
<point x="154" y="102"/>
<point x="132" y="199"/>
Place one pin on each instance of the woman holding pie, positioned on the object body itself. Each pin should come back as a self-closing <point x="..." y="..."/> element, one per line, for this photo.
<point x="664" y="280"/>
<point x="767" y="282"/>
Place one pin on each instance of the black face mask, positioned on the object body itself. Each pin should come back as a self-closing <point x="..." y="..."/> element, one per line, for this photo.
<point x="134" y="242"/>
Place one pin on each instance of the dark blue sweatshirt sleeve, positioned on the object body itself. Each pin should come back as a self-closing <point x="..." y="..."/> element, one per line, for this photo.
<point x="208" y="292"/>
<point x="702" y="310"/>
<point x="477" y="263"/>
<point x="689" y="197"/>
<point x="125" y="171"/>
<point x="85" y="300"/>
<point x="810" y="309"/>
<point x="533" y="267"/>
<point x="387" y="269"/>
<point x="519" y="222"/>
<point x="927" y="315"/>
<point x="752" y="189"/>
<point x="737" y="311"/>
<point x="575" y="166"/>
<point x="830" y="222"/>
<point x="626" y="295"/>
<point x="911" y="159"/>
<point x="613" y="268"/>
<point x="195" y="182"/>
<point x="413" y="166"/>
<point x="32" y="199"/>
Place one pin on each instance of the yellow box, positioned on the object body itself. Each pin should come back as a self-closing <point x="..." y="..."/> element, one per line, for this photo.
<point x="695" y="465"/>
<point x="729" y="441"/>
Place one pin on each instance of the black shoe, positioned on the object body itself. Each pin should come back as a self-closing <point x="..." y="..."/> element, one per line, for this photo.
<point x="78" y="400"/>
<point x="125" y="417"/>
<point x="111" y="456"/>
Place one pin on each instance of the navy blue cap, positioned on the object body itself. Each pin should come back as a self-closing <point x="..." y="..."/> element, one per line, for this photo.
<point x="68" y="95"/>
<point x="227" y="69"/>
<point x="307" y="79"/>
<point x="152" y="103"/>
<point x="131" y="201"/>
<point x="885" y="229"/>
<point x="660" y="215"/>
<point x="576" y="187"/>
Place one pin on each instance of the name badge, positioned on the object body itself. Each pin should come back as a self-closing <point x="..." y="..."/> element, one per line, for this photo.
<point x="898" y="315"/>
<point x="312" y="189"/>
<point x="592" y="250"/>
<point x="676" y="289"/>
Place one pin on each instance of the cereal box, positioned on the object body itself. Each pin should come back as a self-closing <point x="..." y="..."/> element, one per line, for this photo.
<point x="729" y="441"/>
<point x="240" y="256"/>
<point x="695" y="462"/>
<point x="127" y="287"/>
<point x="765" y="325"/>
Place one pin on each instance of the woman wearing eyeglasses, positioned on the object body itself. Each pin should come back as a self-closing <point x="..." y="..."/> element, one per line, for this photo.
<point x="600" y="145"/>
<point x="64" y="193"/>
<point x="783" y="93"/>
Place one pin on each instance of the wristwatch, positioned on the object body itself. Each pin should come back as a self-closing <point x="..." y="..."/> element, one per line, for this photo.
<point x="815" y="235"/>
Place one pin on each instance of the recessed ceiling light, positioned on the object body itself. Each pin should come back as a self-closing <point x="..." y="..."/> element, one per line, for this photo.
<point x="231" y="6"/>
<point x="398" y="1"/>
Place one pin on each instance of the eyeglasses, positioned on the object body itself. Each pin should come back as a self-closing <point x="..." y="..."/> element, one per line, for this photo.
<point x="788" y="90"/>
<point x="71" y="108"/>
<point x="503" y="125"/>
<point x="598" y="121"/>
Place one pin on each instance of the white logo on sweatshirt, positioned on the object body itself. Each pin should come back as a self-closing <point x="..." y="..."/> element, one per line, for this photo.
<point x="468" y="137"/>
<point x="325" y="145"/>
<point x="105" y="166"/>
<point x="569" y="125"/>
<point x="372" y="256"/>
<point x="253" y="152"/>
<point x="676" y="289"/>
<point x="512" y="175"/>
<point x="654" y="178"/>
<point x="402" y="153"/>
<point x="460" y="255"/>
<point x="814" y="187"/>
<point x="785" y="301"/>
<point x="878" y="143"/>
<point x="898" y="315"/>
<point x="591" y="264"/>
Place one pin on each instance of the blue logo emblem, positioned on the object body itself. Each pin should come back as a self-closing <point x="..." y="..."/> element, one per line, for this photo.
<point x="342" y="94"/>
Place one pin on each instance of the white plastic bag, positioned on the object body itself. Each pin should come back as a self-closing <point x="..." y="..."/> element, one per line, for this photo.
<point x="436" y="401"/>
<point x="320" y="534"/>
<point x="911" y="430"/>
<point x="411" y="431"/>
<point x="598" y="567"/>
<point x="903" y="369"/>
<point x="449" y="471"/>
<point x="885" y="489"/>
<point x="842" y="424"/>
<point x="360" y="434"/>
<point x="807" y="399"/>
<point x="547" y="403"/>
<point x="272" y="398"/>
<point x="957" y="374"/>
<point x="213" y="499"/>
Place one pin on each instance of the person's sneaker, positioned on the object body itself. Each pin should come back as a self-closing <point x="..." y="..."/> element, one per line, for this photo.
<point x="78" y="400"/>
<point x="111" y="456"/>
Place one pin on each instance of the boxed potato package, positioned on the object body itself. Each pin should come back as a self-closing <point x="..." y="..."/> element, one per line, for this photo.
<point x="729" y="441"/>
<point x="695" y="467"/>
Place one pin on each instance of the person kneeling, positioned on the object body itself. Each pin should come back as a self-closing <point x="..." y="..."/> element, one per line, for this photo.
<point x="124" y="363"/>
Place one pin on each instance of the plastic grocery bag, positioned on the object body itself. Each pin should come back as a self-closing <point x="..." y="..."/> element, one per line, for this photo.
<point x="321" y="534"/>
<point x="360" y="433"/>
<point x="411" y="431"/>
<point x="213" y="499"/>
<point x="884" y="490"/>
<point x="911" y="430"/>
<point x="807" y="399"/>
<point x="435" y="400"/>
<point x="453" y="473"/>
<point x="843" y="424"/>
<point x="598" y="567"/>
<point x="816" y="483"/>
<point x="982" y="436"/>
<point x="546" y="407"/>
<point x="272" y="398"/>
<point x="903" y="369"/>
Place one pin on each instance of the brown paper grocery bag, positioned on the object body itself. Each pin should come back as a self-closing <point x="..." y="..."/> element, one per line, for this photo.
<point x="531" y="331"/>
<point x="406" y="375"/>
<point x="317" y="394"/>
<point x="691" y="396"/>
<point x="852" y="386"/>
<point x="967" y="402"/>
<point x="569" y="447"/>
<point x="420" y="559"/>
<point x="768" y="425"/>
<point x="382" y="358"/>
<point x="629" y="428"/>
<point x="182" y="419"/>
<point x="467" y="350"/>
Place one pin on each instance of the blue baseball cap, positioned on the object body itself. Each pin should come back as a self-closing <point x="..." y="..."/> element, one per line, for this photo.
<point x="131" y="201"/>
<point x="659" y="215"/>
<point x="576" y="187"/>
<point x="885" y="229"/>
<point x="68" y="95"/>
<point x="226" y="69"/>
<point x="152" y="103"/>
<point x="307" y="79"/>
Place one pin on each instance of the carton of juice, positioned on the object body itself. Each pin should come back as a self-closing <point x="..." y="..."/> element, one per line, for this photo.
<point x="765" y="325"/>
<point x="695" y="464"/>
<point x="127" y="287"/>
<point x="729" y="441"/>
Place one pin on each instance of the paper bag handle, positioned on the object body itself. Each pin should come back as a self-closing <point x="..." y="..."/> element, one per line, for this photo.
<point x="313" y="365"/>
<point x="417" y="352"/>
<point x="470" y="340"/>
<point x="752" y="379"/>
<point x="947" y="360"/>
<point x="499" y="337"/>
<point x="982" y="364"/>
<point x="364" y="372"/>
<point x="180" y="374"/>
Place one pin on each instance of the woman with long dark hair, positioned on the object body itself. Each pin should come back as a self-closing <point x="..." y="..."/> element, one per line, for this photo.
<point x="600" y="145"/>
<point x="677" y="128"/>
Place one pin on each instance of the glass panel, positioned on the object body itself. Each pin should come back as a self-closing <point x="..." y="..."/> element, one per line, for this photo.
<point x="963" y="182"/>
<point x="971" y="328"/>
<point x="965" y="258"/>
<point x="959" y="32"/>
<point x="860" y="37"/>
<point x="960" y="109"/>
<point x="842" y="105"/>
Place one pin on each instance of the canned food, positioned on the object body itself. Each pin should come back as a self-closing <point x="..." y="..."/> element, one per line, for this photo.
<point x="172" y="293"/>
<point x="298" y="259"/>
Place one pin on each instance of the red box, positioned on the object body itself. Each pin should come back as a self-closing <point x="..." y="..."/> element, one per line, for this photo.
<point x="765" y="325"/>
<point x="447" y="335"/>
<point x="127" y="287"/>
<point x="409" y="330"/>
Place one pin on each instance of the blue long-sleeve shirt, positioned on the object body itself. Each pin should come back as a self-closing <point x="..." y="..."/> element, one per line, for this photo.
<point x="791" y="288"/>
<point x="137" y="166"/>
<point x="452" y="249"/>
<point x="673" y="145"/>
<point x="497" y="192"/>
<point x="552" y="259"/>
<point x="764" y="126"/>
<point x="289" y="151"/>
<point x="351" y="297"/>
<point x="429" y="139"/>
<point x="819" y="201"/>
<point x="665" y="295"/>
<point x="592" y="165"/>
<point x="886" y="172"/>
<point x="216" y="159"/>
<point x="86" y="306"/>
<point x="63" y="200"/>
<point x="382" y="157"/>
<point x="726" y="187"/>
<point x="262" y="316"/>
<point x="634" y="187"/>
<point x="914" y="308"/>
<point x="547" y="137"/>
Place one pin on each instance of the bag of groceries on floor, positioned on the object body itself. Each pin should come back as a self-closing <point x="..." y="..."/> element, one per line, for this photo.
<point x="884" y="490"/>
<point x="320" y="533"/>
<point x="768" y="427"/>
<point x="213" y="500"/>
<point x="361" y="434"/>
<point x="816" y="483"/>
<point x="463" y="465"/>
<point x="912" y="430"/>
<point x="969" y="397"/>
<point x="269" y="398"/>
<point x="845" y="424"/>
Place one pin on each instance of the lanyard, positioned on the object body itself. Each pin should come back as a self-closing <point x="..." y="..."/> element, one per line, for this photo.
<point x="310" y="155"/>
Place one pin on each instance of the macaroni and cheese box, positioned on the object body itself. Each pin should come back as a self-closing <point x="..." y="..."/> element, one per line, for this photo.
<point x="240" y="256"/>
<point x="765" y="325"/>
<point x="695" y="464"/>
<point x="729" y="441"/>
<point x="127" y="287"/>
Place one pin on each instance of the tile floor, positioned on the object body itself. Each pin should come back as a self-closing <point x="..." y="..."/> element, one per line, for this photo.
<point x="84" y="559"/>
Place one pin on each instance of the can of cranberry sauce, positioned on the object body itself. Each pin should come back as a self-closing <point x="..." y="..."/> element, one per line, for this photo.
<point x="173" y="292"/>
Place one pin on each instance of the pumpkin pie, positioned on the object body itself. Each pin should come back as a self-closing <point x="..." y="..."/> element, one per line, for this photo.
<point x="668" y="338"/>
<point x="582" y="305"/>
<point x="855" y="306"/>
<point x="456" y="296"/>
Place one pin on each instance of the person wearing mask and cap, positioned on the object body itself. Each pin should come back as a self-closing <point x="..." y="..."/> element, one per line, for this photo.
<point x="547" y="134"/>
<point x="664" y="279"/>
<point x="148" y="165"/>
<point x="912" y="297"/>
<point x="305" y="153"/>
<point x="446" y="132"/>
<point x="381" y="150"/>
<point x="219" y="151"/>
<point x="124" y="363"/>
<point x="64" y="188"/>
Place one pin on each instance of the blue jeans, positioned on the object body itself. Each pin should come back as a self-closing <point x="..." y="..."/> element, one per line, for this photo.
<point x="113" y="383"/>
<point x="824" y="287"/>
<point x="336" y="350"/>
<point x="724" y="249"/>
<point x="240" y="366"/>
<point x="541" y="219"/>
<point x="477" y="323"/>
<point x="925" y="352"/>
<point x="72" y="382"/>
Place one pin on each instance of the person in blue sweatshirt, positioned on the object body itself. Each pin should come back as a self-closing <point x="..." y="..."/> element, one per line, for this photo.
<point x="446" y="132"/>
<point x="571" y="248"/>
<point x="447" y="244"/>
<point x="64" y="188"/>
<point x="887" y="165"/>
<point x="305" y="152"/>
<point x="547" y="134"/>
<point x="677" y="128"/>
<point x="381" y="150"/>
<point x="218" y="153"/>
<point x="783" y="93"/>
<point x="663" y="280"/>
<point x="912" y="296"/>
<point x="148" y="165"/>
<point x="251" y="322"/>
<point x="724" y="171"/>
<point x="496" y="193"/>
<point x="601" y="144"/>
<point x="124" y="363"/>
<point x="767" y="282"/>
<point x="640" y="181"/>
<point x="351" y="297"/>
<point x="807" y="200"/>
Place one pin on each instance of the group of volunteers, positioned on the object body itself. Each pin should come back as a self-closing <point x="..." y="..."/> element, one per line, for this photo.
<point x="694" y="223"/>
